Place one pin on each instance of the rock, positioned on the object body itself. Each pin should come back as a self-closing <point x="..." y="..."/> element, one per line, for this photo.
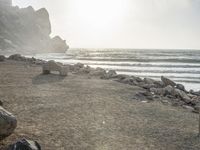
<point x="17" y="57"/>
<point x="2" y="58"/>
<point x="157" y="91"/>
<point x="159" y="84"/>
<point x="26" y="30"/>
<point x="25" y="145"/>
<point x="195" y="93"/>
<point x="168" y="90"/>
<point x="110" y="74"/>
<point x="182" y="95"/>
<point x="85" y="70"/>
<point x="98" y="72"/>
<point x="58" y="45"/>
<point x="128" y="80"/>
<point x="180" y="87"/>
<point x="148" y="86"/>
<point x="146" y="94"/>
<point x="53" y="66"/>
<point x="122" y="77"/>
<point x="189" y="108"/>
<point x="197" y="108"/>
<point x="8" y="123"/>
<point x="79" y="65"/>
<point x="167" y="81"/>
<point x="137" y="79"/>
<point x="149" y="81"/>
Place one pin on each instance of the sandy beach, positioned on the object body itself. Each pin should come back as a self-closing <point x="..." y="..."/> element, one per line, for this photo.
<point x="81" y="112"/>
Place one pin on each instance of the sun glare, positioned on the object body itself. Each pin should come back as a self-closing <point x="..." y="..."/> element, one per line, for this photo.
<point x="99" y="15"/>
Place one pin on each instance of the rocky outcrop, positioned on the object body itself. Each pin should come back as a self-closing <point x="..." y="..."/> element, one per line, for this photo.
<point x="8" y="123"/>
<point x="28" y="31"/>
<point x="25" y="144"/>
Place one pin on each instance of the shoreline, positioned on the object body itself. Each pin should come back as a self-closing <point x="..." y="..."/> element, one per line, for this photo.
<point x="93" y="106"/>
<point x="154" y="89"/>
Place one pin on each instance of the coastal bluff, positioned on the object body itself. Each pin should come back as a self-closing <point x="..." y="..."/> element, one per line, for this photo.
<point x="25" y="30"/>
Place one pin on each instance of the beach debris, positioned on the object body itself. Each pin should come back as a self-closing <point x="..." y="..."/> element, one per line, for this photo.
<point x="2" y="58"/>
<point x="25" y="144"/>
<point x="8" y="123"/>
<point x="167" y="81"/>
<point x="54" y="66"/>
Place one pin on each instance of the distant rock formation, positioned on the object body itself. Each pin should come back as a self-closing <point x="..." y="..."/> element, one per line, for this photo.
<point x="24" y="30"/>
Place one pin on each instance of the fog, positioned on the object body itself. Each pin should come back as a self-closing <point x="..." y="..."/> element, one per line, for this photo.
<point x="166" y="24"/>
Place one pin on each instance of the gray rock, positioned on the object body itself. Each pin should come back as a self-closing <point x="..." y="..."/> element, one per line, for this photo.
<point x="189" y="108"/>
<point x="54" y="66"/>
<point x="58" y="45"/>
<point x="17" y="57"/>
<point x="8" y="123"/>
<point x="149" y="81"/>
<point x="98" y="72"/>
<point x="168" y="90"/>
<point x="158" y="91"/>
<point x="25" y="144"/>
<point x="167" y="81"/>
<point x="110" y="74"/>
<point x="180" y="87"/>
<point x="182" y="95"/>
<point x="122" y="76"/>
<point x="159" y="84"/>
<point x="2" y="58"/>
<point x="148" y="86"/>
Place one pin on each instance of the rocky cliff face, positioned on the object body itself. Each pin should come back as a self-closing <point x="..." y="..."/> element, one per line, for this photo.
<point x="26" y="30"/>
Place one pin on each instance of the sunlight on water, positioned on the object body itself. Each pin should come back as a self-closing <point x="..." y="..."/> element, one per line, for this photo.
<point x="182" y="66"/>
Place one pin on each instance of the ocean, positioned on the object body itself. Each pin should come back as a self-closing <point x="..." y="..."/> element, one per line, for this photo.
<point x="182" y="66"/>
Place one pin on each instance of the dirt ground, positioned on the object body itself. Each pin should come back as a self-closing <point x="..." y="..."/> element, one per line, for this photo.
<point x="82" y="113"/>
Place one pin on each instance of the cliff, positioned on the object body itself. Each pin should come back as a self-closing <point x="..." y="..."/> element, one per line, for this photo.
<point x="25" y="30"/>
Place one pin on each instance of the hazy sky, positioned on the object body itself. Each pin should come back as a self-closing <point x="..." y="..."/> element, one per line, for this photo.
<point x="124" y="23"/>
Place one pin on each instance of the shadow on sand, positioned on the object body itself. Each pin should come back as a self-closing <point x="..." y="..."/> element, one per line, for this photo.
<point x="50" y="78"/>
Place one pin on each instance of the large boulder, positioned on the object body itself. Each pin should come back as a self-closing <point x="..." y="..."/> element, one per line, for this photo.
<point x="167" y="81"/>
<point x="25" y="144"/>
<point x="54" y="66"/>
<point x="8" y="123"/>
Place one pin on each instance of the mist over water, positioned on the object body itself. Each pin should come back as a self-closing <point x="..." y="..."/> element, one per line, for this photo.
<point x="182" y="66"/>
